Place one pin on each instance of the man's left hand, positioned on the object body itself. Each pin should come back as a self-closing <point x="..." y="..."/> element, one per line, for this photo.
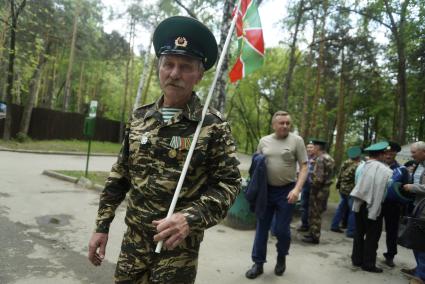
<point x="293" y="196"/>
<point x="171" y="230"/>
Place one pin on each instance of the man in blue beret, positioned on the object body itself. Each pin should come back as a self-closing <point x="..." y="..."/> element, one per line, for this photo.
<point x="157" y="140"/>
<point x="368" y="195"/>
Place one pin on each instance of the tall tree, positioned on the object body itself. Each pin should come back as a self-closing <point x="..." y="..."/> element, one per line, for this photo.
<point x="15" y="11"/>
<point x="300" y="10"/>
<point x="67" y="94"/>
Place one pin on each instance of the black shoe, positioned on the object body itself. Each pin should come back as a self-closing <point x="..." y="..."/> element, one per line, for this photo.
<point x="280" y="267"/>
<point x="256" y="269"/>
<point x="372" y="269"/>
<point x="337" y="230"/>
<point x="408" y="272"/>
<point x="311" y="240"/>
<point x="302" y="229"/>
<point x="389" y="262"/>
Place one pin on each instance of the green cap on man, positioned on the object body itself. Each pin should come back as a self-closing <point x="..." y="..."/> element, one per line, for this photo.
<point x="378" y="147"/>
<point x="316" y="141"/>
<point x="354" y="152"/>
<point x="186" y="36"/>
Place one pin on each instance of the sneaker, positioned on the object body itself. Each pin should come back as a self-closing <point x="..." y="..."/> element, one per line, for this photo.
<point x="280" y="267"/>
<point x="311" y="240"/>
<point x="254" y="271"/>
<point x="337" y="230"/>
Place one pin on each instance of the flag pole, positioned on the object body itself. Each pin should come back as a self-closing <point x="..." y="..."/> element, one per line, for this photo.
<point x="198" y="128"/>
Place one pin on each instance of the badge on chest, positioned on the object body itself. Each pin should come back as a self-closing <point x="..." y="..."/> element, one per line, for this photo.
<point x="178" y="145"/>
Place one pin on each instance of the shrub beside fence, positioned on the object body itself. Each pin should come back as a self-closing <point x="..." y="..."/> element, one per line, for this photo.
<point x="47" y="124"/>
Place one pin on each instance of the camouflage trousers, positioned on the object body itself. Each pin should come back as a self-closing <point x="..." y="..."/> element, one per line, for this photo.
<point x="318" y="197"/>
<point x="139" y="264"/>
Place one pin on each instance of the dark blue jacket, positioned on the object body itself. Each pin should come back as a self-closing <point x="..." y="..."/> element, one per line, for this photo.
<point x="256" y="191"/>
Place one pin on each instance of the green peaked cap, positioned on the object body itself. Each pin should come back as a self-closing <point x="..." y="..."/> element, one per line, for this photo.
<point x="381" y="146"/>
<point x="354" y="152"/>
<point x="186" y="36"/>
<point x="316" y="141"/>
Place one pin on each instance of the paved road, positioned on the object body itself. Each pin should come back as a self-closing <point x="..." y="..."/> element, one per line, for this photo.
<point x="45" y="225"/>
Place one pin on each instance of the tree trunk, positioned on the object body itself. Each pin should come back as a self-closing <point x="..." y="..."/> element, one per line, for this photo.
<point x="421" y="128"/>
<point x="67" y="95"/>
<point x="33" y="92"/>
<point x="148" y="81"/>
<point x="126" y="83"/>
<point x="10" y="71"/>
<point x="320" y="66"/>
<point x="292" y="57"/>
<point x="51" y="86"/>
<point x="226" y="21"/>
<point x="80" y="89"/>
<point x="305" y="121"/>
<point x="340" y="122"/>
<point x="398" y="32"/>
<point x="145" y="74"/>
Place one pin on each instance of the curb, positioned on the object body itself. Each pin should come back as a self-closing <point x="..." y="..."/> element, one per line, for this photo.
<point x="74" y="180"/>
<point x="44" y="152"/>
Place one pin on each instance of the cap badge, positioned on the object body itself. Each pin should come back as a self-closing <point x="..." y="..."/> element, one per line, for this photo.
<point x="181" y="41"/>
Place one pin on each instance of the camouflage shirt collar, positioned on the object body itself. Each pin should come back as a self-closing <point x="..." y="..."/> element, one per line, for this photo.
<point x="192" y="110"/>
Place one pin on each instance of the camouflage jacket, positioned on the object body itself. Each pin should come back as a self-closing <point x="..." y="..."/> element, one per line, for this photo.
<point x="346" y="177"/>
<point x="323" y="171"/>
<point x="150" y="163"/>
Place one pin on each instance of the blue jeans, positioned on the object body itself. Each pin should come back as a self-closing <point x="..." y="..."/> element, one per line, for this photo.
<point x="340" y="211"/>
<point x="278" y="206"/>
<point x="351" y="225"/>
<point x="420" y="264"/>
<point x="305" y="197"/>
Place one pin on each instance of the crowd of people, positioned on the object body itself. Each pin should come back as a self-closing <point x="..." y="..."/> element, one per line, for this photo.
<point x="374" y="190"/>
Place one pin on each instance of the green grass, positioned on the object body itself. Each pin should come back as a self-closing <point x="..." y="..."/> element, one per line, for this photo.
<point x="63" y="146"/>
<point x="96" y="177"/>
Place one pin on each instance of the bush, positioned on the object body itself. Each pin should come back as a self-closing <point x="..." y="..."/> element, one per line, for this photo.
<point x="22" y="137"/>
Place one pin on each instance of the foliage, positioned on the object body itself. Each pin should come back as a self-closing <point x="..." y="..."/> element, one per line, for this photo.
<point x="362" y="30"/>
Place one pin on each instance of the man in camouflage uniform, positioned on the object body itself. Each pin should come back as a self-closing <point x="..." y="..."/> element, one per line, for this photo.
<point x="321" y="179"/>
<point x="345" y="185"/>
<point x="157" y="140"/>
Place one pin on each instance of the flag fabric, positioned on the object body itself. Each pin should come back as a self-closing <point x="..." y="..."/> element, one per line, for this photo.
<point x="250" y="41"/>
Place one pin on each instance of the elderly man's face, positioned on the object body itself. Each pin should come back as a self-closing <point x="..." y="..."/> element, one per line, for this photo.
<point x="177" y="77"/>
<point x="417" y="154"/>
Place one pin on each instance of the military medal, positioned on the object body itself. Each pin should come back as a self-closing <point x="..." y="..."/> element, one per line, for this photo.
<point x="174" y="144"/>
<point x="172" y="153"/>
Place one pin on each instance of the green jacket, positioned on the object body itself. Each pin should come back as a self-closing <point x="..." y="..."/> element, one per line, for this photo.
<point x="149" y="166"/>
<point x="346" y="176"/>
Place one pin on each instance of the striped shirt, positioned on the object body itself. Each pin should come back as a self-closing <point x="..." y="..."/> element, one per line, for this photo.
<point x="169" y="112"/>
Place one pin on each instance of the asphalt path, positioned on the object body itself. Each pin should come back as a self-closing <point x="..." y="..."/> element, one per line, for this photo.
<point x="45" y="225"/>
